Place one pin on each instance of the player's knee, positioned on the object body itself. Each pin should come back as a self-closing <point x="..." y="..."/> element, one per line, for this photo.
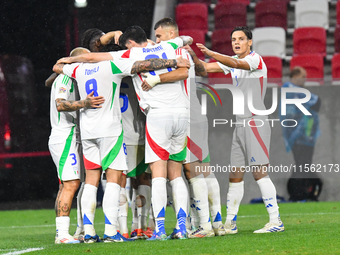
<point x="122" y="199"/>
<point x="71" y="186"/>
<point x="140" y="200"/>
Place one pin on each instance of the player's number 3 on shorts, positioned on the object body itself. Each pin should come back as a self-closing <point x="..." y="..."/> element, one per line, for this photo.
<point x="74" y="158"/>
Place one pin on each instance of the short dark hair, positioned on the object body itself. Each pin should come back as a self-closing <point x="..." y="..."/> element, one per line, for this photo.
<point x="166" y="22"/>
<point x="297" y="70"/>
<point x="134" y="33"/>
<point x="89" y="38"/>
<point x="245" y="30"/>
<point x="111" y="46"/>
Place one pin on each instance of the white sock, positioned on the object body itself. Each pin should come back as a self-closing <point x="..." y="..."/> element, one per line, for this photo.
<point x="158" y="199"/>
<point x="194" y="219"/>
<point x="199" y="188"/>
<point x="123" y="211"/>
<point x="268" y="192"/>
<point x="214" y="200"/>
<point x="111" y="207"/>
<point x="62" y="225"/>
<point x="88" y="205"/>
<point x="127" y="189"/>
<point x="103" y="182"/>
<point x="151" y="224"/>
<point x="134" y="210"/>
<point x="80" y="225"/>
<point x="143" y="202"/>
<point x="234" y="198"/>
<point x="170" y="198"/>
<point x="180" y="196"/>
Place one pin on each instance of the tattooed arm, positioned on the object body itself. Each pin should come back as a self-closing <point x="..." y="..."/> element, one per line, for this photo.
<point x="157" y="63"/>
<point x="199" y="67"/>
<point x="70" y="106"/>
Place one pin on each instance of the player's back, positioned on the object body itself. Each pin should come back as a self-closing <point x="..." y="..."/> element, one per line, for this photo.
<point x="104" y="79"/>
<point x="165" y="95"/>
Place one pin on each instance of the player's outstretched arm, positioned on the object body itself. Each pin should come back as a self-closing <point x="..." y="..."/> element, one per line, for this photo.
<point x="157" y="63"/>
<point x="70" y="106"/>
<point x="50" y="80"/>
<point x="199" y="67"/>
<point x="105" y="39"/>
<point x="151" y="80"/>
<point x="86" y="58"/>
<point x="224" y="59"/>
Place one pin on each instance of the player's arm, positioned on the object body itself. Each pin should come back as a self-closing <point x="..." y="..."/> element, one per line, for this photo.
<point x="50" y="80"/>
<point x="105" y="39"/>
<point x="224" y="59"/>
<point x="70" y="106"/>
<point x="93" y="57"/>
<point x="158" y="63"/>
<point x="151" y="80"/>
<point x="199" y="67"/>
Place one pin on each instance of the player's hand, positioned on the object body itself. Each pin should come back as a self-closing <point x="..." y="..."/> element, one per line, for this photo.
<point x="189" y="49"/>
<point x="65" y="60"/>
<point x="204" y="49"/>
<point x="187" y="40"/>
<point x="94" y="102"/>
<point x="181" y="62"/>
<point x="105" y="39"/>
<point x="150" y="81"/>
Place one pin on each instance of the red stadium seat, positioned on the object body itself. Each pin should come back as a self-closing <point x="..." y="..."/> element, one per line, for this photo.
<point x="199" y="37"/>
<point x="274" y="69"/>
<point x="219" y="78"/>
<point x="271" y="13"/>
<point x="192" y="16"/>
<point x="313" y="63"/>
<point x="229" y="15"/>
<point x="207" y="2"/>
<point x="221" y="41"/>
<point x="308" y="40"/>
<point x="246" y="2"/>
<point x="336" y="66"/>
<point x="337" y="38"/>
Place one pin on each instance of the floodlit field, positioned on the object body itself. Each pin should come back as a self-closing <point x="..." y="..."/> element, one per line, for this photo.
<point x="311" y="228"/>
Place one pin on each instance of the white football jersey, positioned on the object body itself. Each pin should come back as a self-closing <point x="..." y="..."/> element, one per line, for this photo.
<point x="63" y="123"/>
<point x="254" y="79"/>
<point x="165" y="95"/>
<point x="104" y="78"/>
<point x="189" y="86"/>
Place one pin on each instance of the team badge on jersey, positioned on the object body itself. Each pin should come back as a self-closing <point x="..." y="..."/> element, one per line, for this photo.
<point x="62" y="90"/>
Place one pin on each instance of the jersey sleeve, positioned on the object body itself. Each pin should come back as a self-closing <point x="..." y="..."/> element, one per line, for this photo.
<point x="62" y="87"/>
<point x="70" y="70"/>
<point x="254" y="61"/>
<point x="117" y="54"/>
<point x="175" y="43"/>
<point x="226" y="69"/>
<point x="122" y="66"/>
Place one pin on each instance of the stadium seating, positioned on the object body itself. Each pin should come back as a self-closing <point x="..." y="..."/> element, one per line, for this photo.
<point x="207" y="2"/>
<point x="246" y="2"/>
<point x="270" y="41"/>
<point x="199" y="37"/>
<point x="311" y="13"/>
<point x="221" y="41"/>
<point x="338" y="12"/>
<point x="336" y="67"/>
<point x="313" y="63"/>
<point x="229" y="15"/>
<point x="192" y="16"/>
<point x="337" y="38"/>
<point x="271" y="13"/>
<point x="309" y="40"/>
<point x="274" y="69"/>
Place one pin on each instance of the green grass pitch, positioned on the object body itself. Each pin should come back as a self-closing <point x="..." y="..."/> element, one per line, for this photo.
<point x="310" y="228"/>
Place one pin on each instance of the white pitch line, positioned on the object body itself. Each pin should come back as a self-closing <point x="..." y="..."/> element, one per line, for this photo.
<point x="23" y="251"/>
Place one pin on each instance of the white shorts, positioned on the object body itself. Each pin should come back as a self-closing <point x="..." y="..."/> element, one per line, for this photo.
<point x="166" y="133"/>
<point x="136" y="160"/>
<point x="197" y="147"/>
<point x="105" y="152"/>
<point x="250" y="145"/>
<point x="66" y="158"/>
